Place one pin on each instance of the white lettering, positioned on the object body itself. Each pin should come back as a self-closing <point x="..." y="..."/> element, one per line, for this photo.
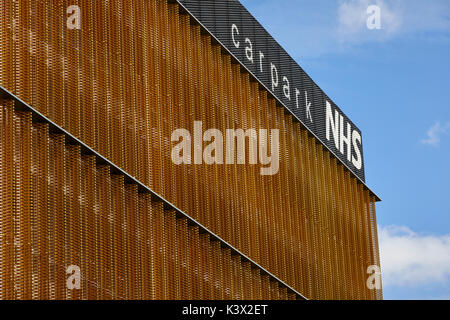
<point x="333" y="123"/>
<point x="345" y="138"/>
<point x="234" y="30"/>
<point x="286" y="88"/>
<point x="308" y="107"/>
<point x="274" y="74"/>
<point x="261" y="57"/>
<point x="357" y="162"/>
<point x="249" y="50"/>
<point x="297" y="93"/>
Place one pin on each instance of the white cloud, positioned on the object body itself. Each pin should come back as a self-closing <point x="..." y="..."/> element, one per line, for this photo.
<point x="435" y="132"/>
<point x="410" y="259"/>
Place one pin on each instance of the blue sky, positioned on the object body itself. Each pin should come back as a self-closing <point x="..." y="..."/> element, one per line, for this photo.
<point x="394" y="83"/>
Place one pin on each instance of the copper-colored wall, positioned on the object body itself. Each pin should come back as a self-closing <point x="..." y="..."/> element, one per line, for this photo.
<point x="137" y="70"/>
<point x="59" y="208"/>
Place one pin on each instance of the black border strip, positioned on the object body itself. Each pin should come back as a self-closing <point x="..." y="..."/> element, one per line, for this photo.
<point x="377" y="198"/>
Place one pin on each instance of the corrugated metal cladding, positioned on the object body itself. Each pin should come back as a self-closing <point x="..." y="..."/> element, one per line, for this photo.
<point x="134" y="72"/>
<point x="218" y="17"/>
<point x="60" y="208"/>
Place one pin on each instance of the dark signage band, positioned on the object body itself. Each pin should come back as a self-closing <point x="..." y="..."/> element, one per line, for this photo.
<point x="239" y="32"/>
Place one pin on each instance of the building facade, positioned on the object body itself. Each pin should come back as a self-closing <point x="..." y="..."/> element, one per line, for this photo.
<point x="91" y="93"/>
